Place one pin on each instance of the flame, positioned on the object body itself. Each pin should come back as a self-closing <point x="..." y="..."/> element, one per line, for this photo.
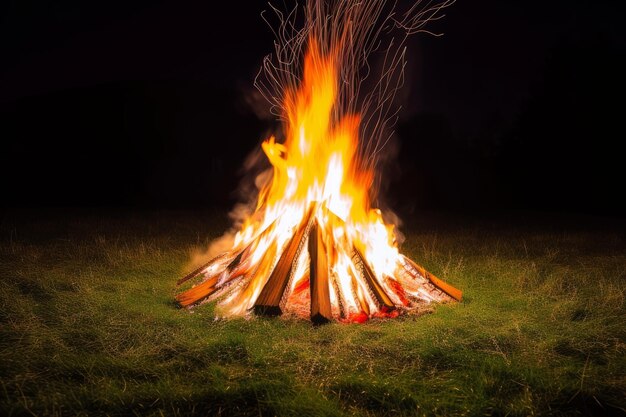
<point x="316" y="168"/>
<point x="318" y="163"/>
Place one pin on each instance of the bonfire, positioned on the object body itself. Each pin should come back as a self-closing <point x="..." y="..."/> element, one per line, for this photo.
<point x="314" y="245"/>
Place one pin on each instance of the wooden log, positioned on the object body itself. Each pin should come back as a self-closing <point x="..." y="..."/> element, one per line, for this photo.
<point x="398" y="290"/>
<point x="197" y="293"/>
<point x="359" y="296"/>
<point x="235" y="255"/>
<point x="376" y="291"/>
<point x="331" y="253"/>
<point x="239" y="292"/>
<point x="201" y="268"/>
<point x="271" y="301"/>
<point x="440" y="284"/>
<point x="321" y="311"/>
<point x="341" y="300"/>
<point x="207" y="288"/>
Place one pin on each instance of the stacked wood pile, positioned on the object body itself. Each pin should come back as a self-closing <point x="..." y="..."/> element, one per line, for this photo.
<point x="279" y="287"/>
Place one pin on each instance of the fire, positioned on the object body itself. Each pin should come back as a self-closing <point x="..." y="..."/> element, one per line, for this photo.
<point x="314" y="244"/>
<point x="318" y="160"/>
<point x="317" y="165"/>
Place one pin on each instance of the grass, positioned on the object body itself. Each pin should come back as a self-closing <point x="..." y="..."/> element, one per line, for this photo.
<point x="88" y="327"/>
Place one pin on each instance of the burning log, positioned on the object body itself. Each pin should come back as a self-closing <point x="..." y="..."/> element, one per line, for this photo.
<point x="321" y="310"/>
<point x="234" y="269"/>
<point x="398" y="290"/>
<point x="236" y="255"/>
<point x="415" y="269"/>
<point x="206" y="288"/>
<point x="341" y="300"/>
<point x="198" y="292"/>
<point x="272" y="298"/>
<point x="375" y="290"/>
<point x="239" y="293"/>
<point x="202" y="268"/>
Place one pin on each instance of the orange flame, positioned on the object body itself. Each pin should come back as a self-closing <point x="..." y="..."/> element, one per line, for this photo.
<point x="316" y="170"/>
<point x="318" y="163"/>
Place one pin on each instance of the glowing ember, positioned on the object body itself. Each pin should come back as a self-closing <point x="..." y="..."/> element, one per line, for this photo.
<point x="314" y="245"/>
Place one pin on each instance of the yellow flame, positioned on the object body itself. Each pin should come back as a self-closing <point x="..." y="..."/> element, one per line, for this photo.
<point x="318" y="162"/>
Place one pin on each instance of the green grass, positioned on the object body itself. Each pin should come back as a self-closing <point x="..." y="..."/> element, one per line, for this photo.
<point x="88" y="327"/>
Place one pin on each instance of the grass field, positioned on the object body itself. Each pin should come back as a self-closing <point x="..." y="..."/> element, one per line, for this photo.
<point x="88" y="326"/>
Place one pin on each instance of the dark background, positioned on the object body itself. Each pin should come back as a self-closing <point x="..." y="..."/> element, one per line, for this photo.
<point x="147" y="104"/>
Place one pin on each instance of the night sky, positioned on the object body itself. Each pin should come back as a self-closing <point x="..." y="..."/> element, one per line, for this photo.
<point x="520" y="105"/>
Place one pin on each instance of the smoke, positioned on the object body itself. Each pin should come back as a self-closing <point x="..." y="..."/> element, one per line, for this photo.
<point x="256" y="173"/>
<point x="248" y="191"/>
<point x="257" y="103"/>
<point x="200" y="256"/>
<point x="389" y="217"/>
